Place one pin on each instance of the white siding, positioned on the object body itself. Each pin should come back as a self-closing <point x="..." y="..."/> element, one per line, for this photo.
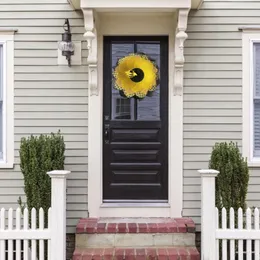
<point x="48" y="97"/>
<point x="213" y="90"/>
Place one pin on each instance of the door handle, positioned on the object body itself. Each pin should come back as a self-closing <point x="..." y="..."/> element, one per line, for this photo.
<point x="107" y="134"/>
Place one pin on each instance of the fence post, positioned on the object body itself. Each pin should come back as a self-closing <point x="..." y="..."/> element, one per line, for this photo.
<point x="58" y="214"/>
<point x="208" y="221"/>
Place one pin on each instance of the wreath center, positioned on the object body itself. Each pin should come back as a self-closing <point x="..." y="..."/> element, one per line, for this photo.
<point x="136" y="74"/>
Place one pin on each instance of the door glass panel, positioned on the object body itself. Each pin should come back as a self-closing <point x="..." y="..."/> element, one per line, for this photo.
<point x="149" y="107"/>
<point x="122" y="108"/>
<point x="130" y="108"/>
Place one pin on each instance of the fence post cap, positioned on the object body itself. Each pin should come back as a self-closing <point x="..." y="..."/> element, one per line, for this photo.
<point x="58" y="173"/>
<point x="208" y="172"/>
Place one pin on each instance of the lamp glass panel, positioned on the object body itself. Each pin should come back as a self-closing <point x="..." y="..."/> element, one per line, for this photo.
<point x="66" y="46"/>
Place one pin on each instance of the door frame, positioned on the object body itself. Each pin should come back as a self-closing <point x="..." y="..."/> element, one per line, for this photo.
<point x="110" y="24"/>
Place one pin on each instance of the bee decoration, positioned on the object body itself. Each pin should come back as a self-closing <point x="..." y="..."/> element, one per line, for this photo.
<point x="136" y="75"/>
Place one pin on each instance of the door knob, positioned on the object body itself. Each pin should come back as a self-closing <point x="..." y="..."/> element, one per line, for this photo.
<point x="107" y="134"/>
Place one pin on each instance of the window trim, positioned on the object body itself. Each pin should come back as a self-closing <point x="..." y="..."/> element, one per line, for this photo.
<point x="248" y="40"/>
<point x="7" y="41"/>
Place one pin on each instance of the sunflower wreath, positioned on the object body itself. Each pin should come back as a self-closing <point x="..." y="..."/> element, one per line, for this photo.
<point x="136" y="75"/>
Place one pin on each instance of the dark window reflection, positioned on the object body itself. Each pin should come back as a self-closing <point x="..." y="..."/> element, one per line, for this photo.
<point x="122" y="108"/>
<point x="149" y="107"/>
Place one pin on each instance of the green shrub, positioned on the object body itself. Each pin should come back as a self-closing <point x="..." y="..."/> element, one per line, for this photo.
<point x="232" y="181"/>
<point x="38" y="155"/>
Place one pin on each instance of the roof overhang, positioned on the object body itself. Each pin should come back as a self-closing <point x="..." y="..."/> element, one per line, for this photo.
<point x="195" y="4"/>
<point x="75" y="4"/>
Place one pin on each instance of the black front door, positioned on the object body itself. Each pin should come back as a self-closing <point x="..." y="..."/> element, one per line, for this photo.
<point x="135" y="132"/>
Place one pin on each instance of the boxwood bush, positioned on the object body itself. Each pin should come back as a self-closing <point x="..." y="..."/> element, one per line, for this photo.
<point x="38" y="155"/>
<point x="233" y="177"/>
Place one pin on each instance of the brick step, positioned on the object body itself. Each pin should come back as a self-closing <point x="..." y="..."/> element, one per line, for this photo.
<point x="135" y="225"/>
<point x="156" y="253"/>
<point x="137" y="233"/>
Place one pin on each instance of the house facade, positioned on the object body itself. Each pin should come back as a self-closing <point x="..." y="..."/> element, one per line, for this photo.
<point x="130" y="158"/>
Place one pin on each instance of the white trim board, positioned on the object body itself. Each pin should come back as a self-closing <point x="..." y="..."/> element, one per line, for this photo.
<point x="151" y="25"/>
<point x="7" y="41"/>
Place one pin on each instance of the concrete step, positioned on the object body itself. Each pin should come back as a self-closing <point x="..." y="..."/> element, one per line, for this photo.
<point x="136" y="233"/>
<point x="158" y="253"/>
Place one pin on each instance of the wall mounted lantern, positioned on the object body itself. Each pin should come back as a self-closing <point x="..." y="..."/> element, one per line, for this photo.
<point x="66" y="45"/>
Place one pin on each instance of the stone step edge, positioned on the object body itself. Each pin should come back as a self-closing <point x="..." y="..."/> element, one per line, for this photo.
<point x="92" y="226"/>
<point x="159" y="253"/>
<point x="135" y="240"/>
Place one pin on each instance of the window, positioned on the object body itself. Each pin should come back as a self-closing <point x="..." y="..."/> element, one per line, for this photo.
<point x="256" y="99"/>
<point x="1" y="100"/>
<point x="251" y="96"/>
<point x="6" y="100"/>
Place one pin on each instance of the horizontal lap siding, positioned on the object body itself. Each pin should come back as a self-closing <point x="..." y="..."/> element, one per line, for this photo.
<point x="48" y="97"/>
<point x="213" y="91"/>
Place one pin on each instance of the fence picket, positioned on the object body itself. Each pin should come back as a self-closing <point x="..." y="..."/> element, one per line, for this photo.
<point x="33" y="227"/>
<point x="256" y="220"/>
<point x="240" y="241"/>
<point x="18" y="227"/>
<point x="2" y="242"/>
<point x="41" y="227"/>
<point x="217" y="226"/>
<point x="10" y="227"/>
<point x="248" y="242"/>
<point x="224" y="241"/>
<point x="25" y="227"/>
<point x="232" y="227"/>
<point x="49" y="241"/>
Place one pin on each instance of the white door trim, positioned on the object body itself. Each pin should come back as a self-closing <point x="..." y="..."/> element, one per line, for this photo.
<point x="135" y="24"/>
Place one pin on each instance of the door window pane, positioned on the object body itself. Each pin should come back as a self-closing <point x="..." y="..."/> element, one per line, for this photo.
<point x="149" y="107"/>
<point x="122" y="108"/>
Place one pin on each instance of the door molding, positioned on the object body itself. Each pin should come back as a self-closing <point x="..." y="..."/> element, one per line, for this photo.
<point x="129" y="24"/>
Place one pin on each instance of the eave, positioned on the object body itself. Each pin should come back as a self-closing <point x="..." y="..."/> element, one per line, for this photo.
<point x="195" y="4"/>
<point x="75" y="4"/>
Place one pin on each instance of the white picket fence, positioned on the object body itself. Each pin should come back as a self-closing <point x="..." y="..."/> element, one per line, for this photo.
<point x="20" y="241"/>
<point x="226" y="234"/>
<point x="232" y="236"/>
<point x="22" y="232"/>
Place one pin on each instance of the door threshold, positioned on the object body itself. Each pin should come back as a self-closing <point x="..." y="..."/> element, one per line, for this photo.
<point x="135" y="205"/>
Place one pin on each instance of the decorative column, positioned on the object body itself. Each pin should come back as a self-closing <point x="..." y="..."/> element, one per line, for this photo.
<point x="58" y="214"/>
<point x="180" y="38"/>
<point x="208" y="214"/>
<point x="95" y="112"/>
<point x="91" y="37"/>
